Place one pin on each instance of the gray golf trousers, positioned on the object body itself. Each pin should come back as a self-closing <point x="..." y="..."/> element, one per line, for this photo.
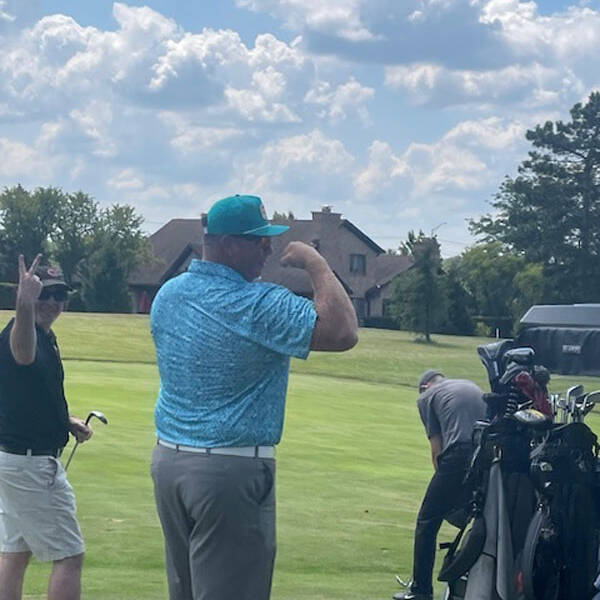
<point x="218" y="518"/>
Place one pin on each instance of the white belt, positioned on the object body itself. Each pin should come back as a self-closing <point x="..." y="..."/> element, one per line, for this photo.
<point x="248" y="451"/>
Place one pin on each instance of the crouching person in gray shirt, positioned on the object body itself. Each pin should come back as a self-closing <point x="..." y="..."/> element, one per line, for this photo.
<point x="449" y="409"/>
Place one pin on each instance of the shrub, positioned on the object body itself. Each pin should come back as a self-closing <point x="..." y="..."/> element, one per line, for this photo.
<point x="482" y="330"/>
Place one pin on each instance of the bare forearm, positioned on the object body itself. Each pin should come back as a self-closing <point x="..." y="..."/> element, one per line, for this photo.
<point x="436" y="449"/>
<point x="337" y="327"/>
<point x="23" y="337"/>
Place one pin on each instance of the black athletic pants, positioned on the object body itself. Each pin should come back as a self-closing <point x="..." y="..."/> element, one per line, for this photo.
<point x="445" y="494"/>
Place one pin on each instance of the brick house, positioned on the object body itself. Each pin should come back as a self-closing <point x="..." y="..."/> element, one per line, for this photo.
<point x="362" y="266"/>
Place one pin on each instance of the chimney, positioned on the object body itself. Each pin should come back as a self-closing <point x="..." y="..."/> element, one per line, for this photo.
<point x="326" y="213"/>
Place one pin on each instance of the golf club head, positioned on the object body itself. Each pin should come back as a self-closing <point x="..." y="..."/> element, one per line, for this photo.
<point x="491" y="357"/>
<point x="99" y="415"/>
<point x="593" y="396"/>
<point x="590" y="401"/>
<point x="578" y="406"/>
<point x="572" y="393"/>
<point x="512" y="370"/>
<point x="533" y="418"/>
<point x="576" y="390"/>
<point x="521" y="356"/>
<point x="541" y="375"/>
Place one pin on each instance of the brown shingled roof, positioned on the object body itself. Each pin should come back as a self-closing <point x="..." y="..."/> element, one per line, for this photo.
<point x="168" y="244"/>
<point x="387" y="266"/>
<point x="180" y="240"/>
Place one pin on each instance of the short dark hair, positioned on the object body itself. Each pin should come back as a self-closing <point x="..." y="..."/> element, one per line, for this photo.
<point x="428" y="376"/>
<point x="211" y="239"/>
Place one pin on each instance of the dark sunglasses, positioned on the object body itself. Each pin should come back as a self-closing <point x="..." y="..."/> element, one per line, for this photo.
<point x="60" y="295"/>
<point x="255" y="239"/>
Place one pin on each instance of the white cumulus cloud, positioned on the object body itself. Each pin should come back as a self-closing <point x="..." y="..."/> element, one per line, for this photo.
<point x="384" y="171"/>
<point x="338" y="17"/>
<point x="534" y="85"/>
<point x="310" y="163"/>
<point x="5" y="16"/>
<point x="19" y="160"/>
<point x="452" y="52"/>
<point x="127" y="179"/>
<point x="342" y="101"/>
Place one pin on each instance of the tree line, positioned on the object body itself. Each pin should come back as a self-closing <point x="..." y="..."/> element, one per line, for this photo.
<point x="541" y="245"/>
<point x="97" y="248"/>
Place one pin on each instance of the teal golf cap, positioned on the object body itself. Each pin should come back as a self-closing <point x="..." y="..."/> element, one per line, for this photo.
<point x="241" y="215"/>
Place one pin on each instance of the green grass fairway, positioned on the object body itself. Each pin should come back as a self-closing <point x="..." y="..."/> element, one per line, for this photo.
<point x="352" y="466"/>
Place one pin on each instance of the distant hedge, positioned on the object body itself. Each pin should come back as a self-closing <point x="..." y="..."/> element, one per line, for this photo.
<point x="8" y="294"/>
<point x="76" y="303"/>
<point x="381" y="323"/>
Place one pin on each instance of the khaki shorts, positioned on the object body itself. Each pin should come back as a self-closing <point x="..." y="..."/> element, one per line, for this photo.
<point x="37" y="508"/>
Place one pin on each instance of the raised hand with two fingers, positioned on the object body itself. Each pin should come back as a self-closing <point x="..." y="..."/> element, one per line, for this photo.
<point x="30" y="285"/>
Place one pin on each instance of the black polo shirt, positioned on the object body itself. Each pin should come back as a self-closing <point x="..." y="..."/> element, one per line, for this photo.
<point x="33" y="409"/>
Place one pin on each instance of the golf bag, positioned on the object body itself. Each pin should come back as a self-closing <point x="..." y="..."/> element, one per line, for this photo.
<point x="561" y="549"/>
<point x="535" y="491"/>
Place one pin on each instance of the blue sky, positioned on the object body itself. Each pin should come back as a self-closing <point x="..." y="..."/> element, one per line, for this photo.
<point x="400" y="114"/>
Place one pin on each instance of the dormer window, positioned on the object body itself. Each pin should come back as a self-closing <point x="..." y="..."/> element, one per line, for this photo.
<point x="358" y="264"/>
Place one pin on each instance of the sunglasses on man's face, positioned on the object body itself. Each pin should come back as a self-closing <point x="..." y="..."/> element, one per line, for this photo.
<point x="257" y="240"/>
<point x="60" y="295"/>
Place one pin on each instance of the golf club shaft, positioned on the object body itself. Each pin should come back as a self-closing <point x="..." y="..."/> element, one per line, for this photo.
<point x="71" y="455"/>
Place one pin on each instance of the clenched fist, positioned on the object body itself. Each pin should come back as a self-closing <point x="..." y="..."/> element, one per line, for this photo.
<point x="300" y="255"/>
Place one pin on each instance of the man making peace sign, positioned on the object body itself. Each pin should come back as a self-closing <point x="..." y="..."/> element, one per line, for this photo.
<point x="37" y="504"/>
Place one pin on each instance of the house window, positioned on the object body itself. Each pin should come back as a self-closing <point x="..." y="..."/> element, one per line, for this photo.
<point x="358" y="264"/>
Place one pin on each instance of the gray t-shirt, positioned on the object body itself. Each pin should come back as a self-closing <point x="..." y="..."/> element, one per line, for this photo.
<point x="450" y="408"/>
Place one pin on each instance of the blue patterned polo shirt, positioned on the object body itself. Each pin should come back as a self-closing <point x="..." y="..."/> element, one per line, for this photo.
<point x="223" y="346"/>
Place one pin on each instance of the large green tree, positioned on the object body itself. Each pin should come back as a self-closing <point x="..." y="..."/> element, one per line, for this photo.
<point x="282" y="218"/>
<point x="104" y="282"/>
<point x="118" y="246"/>
<point x="417" y="299"/>
<point x="75" y="234"/>
<point x="459" y="304"/>
<point x="550" y="212"/>
<point x="26" y="221"/>
<point x="488" y="273"/>
<point x="95" y="248"/>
